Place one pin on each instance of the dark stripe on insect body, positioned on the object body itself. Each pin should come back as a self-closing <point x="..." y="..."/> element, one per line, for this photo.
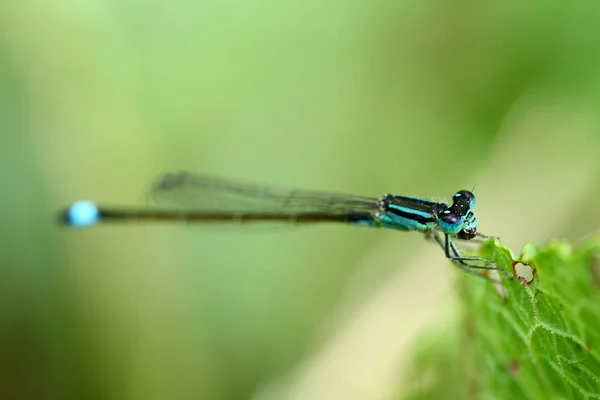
<point x="416" y="203"/>
<point x="413" y="203"/>
<point x="420" y="217"/>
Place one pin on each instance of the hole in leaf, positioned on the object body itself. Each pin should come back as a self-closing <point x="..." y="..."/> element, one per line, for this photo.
<point x="525" y="273"/>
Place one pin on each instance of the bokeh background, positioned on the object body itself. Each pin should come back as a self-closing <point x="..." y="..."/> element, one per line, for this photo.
<point x="97" y="98"/>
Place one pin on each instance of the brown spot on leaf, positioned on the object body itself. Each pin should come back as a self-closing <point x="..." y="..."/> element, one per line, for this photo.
<point x="513" y="368"/>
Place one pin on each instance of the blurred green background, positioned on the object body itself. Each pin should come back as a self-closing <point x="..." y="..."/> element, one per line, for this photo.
<point x="97" y="98"/>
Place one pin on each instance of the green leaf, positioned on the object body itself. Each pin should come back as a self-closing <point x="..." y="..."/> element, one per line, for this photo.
<point x="533" y="337"/>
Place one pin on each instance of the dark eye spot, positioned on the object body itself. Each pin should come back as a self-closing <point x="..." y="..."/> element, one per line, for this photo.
<point x="464" y="193"/>
<point x="450" y="218"/>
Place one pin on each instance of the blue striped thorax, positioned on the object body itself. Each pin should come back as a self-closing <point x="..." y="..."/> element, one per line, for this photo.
<point x="413" y="213"/>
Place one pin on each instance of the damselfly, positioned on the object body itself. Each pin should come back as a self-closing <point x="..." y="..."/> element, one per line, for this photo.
<point x="205" y="199"/>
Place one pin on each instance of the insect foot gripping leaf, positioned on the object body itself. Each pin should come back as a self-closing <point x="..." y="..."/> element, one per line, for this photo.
<point x="540" y="338"/>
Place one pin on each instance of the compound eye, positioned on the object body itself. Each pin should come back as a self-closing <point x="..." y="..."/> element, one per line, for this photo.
<point x="450" y="218"/>
<point x="464" y="194"/>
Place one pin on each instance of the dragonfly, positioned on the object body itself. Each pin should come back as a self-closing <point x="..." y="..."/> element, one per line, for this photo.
<point x="200" y="198"/>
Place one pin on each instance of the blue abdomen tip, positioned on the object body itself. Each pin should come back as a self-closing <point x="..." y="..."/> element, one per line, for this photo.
<point x="82" y="213"/>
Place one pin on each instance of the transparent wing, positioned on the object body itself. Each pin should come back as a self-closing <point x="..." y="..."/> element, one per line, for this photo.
<point x="208" y="193"/>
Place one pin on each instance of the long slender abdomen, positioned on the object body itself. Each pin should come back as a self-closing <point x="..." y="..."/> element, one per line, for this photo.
<point x="86" y="213"/>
